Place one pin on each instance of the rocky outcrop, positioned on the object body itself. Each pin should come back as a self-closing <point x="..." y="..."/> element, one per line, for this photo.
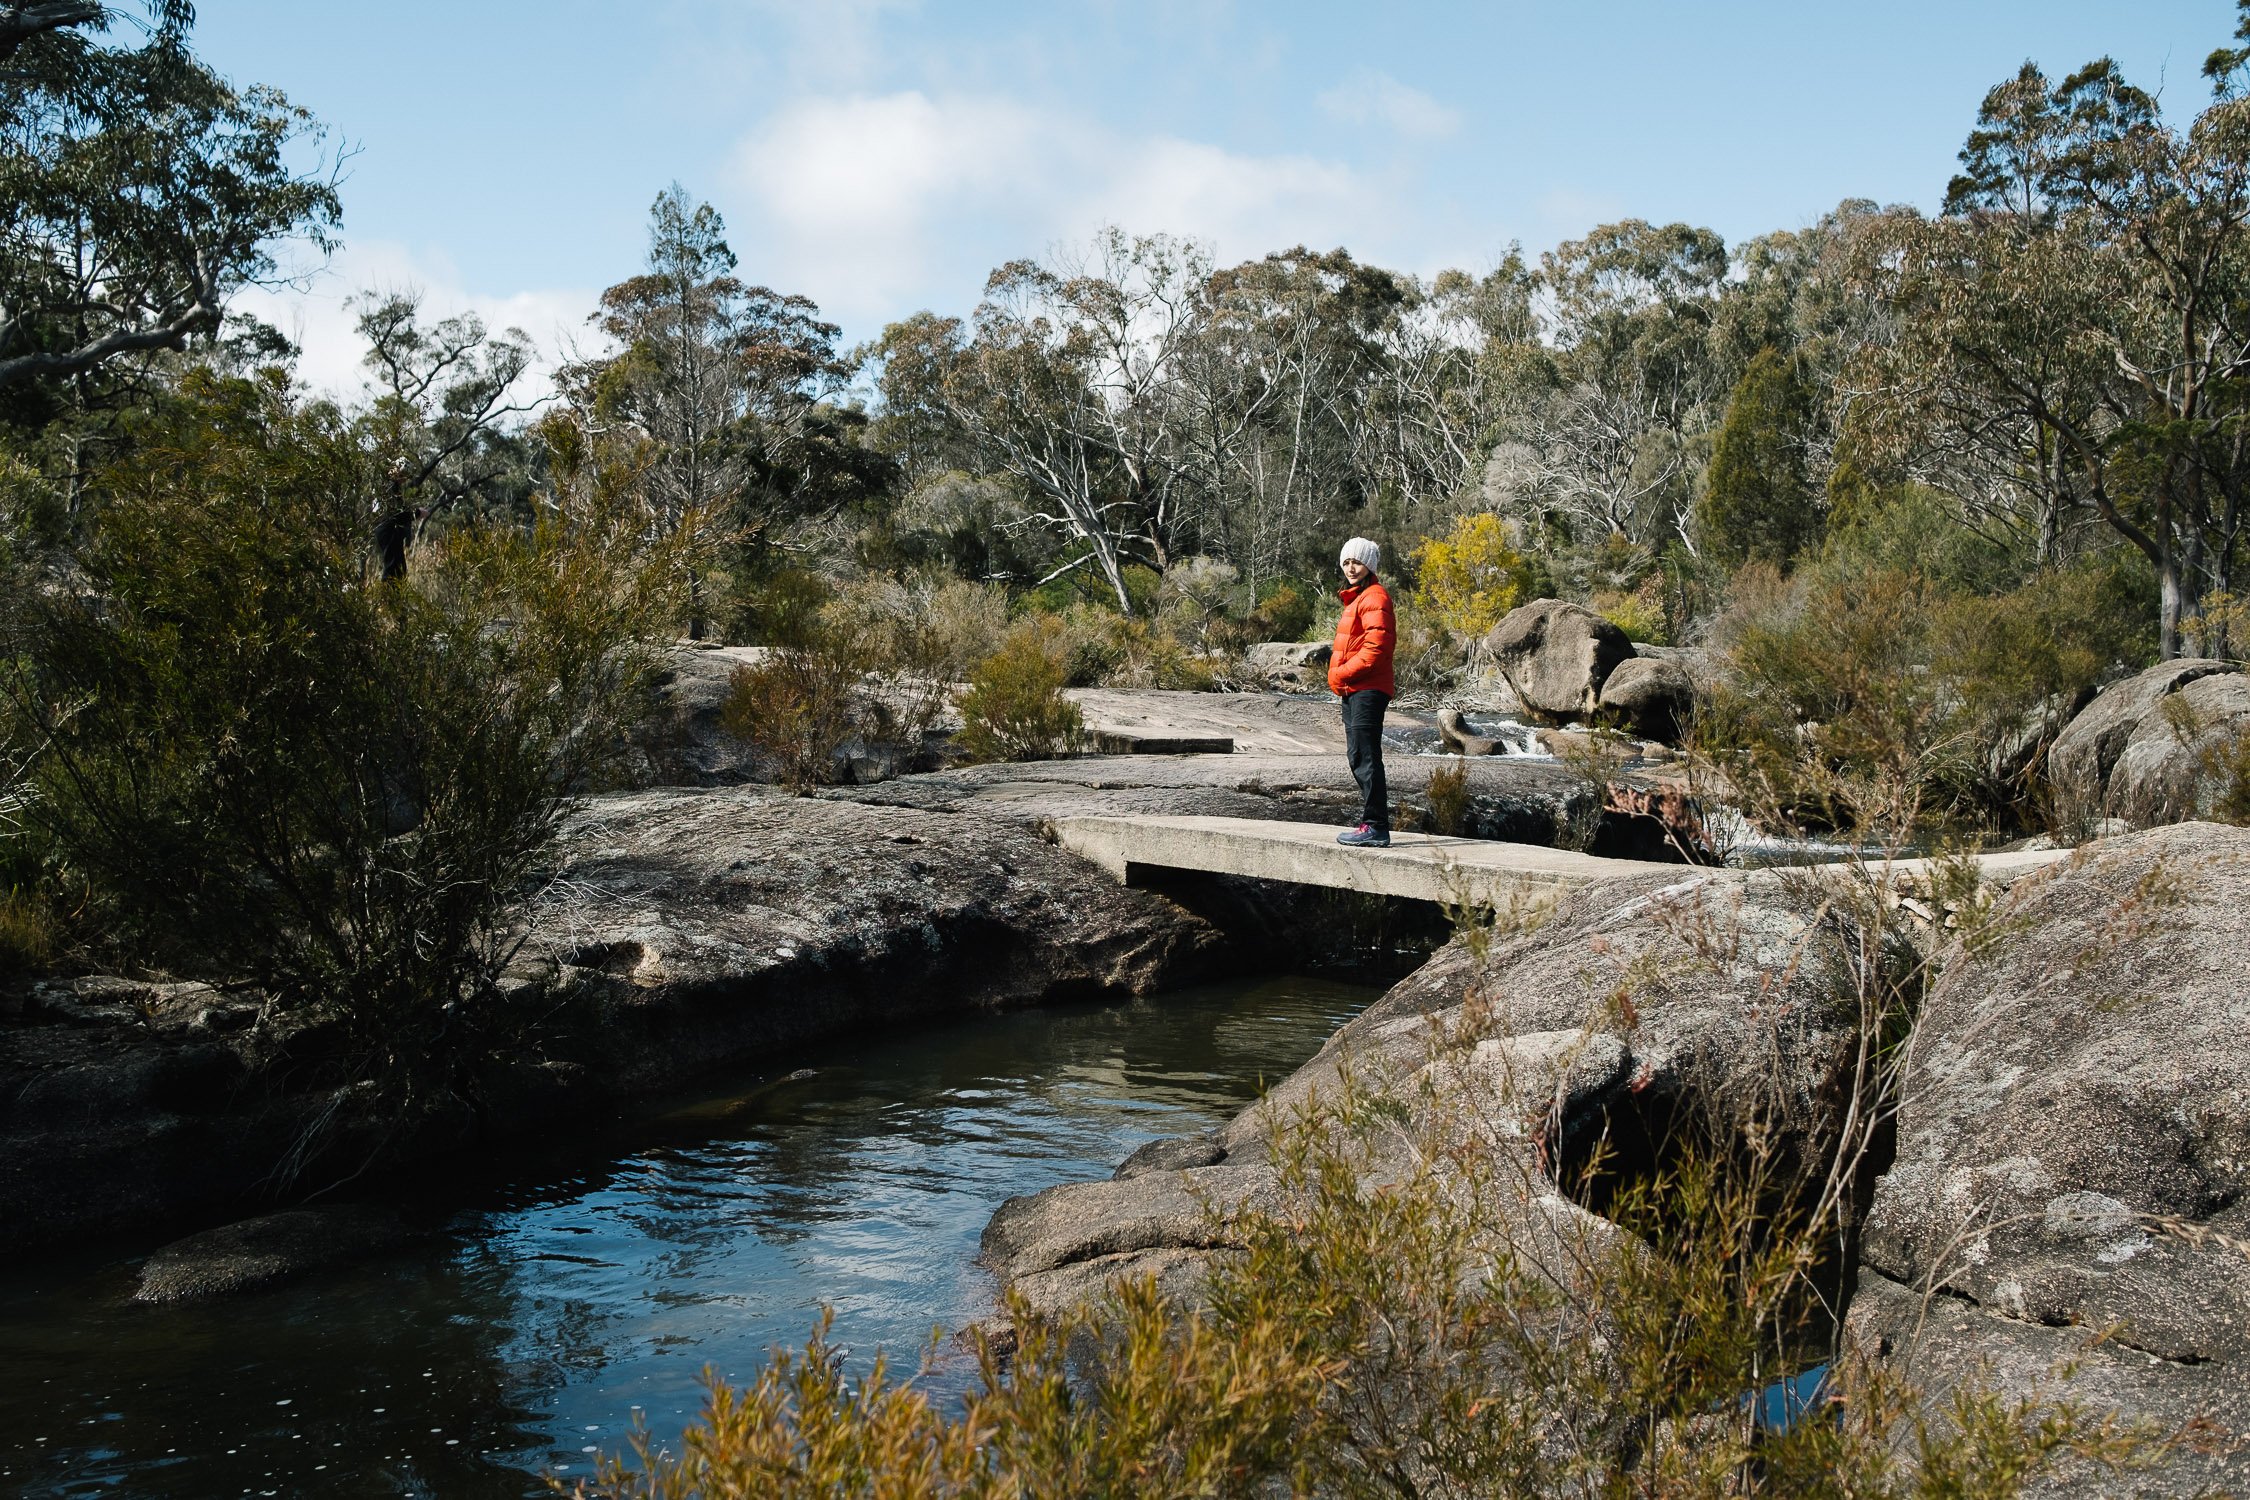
<point x="696" y="928"/>
<point x="1555" y="655"/>
<point x="2185" y="756"/>
<point x="1290" y="666"/>
<point x="1740" y="1016"/>
<point x="2087" y="751"/>
<point x="1649" y="695"/>
<point x="1525" y="801"/>
<point x="2074" y="1155"/>
<point x="1454" y="730"/>
<point x="680" y="741"/>
<point x="1161" y="721"/>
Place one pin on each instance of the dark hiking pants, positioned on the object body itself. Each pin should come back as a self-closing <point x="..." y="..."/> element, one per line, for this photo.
<point x="1363" y="748"/>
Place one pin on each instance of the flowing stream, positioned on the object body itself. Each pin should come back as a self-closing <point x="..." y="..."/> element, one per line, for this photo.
<point x="551" y="1301"/>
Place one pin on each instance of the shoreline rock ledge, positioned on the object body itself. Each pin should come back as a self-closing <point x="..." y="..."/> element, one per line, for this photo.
<point x="2068" y="1208"/>
<point x="1742" y="1010"/>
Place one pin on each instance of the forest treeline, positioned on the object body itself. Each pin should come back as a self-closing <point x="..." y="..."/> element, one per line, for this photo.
<point x="1915" y="480"/>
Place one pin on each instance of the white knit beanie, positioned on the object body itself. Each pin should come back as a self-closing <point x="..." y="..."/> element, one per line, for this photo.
<point x="1360" y="550"/>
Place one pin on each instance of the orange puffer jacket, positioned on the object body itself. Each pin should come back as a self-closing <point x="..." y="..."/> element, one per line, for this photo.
<point x="1366" y="636"/>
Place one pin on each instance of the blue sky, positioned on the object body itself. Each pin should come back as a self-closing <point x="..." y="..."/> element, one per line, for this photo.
<point x="881" y="156"/>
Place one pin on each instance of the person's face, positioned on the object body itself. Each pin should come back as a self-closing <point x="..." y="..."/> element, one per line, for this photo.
<point x="1355" y="572"/>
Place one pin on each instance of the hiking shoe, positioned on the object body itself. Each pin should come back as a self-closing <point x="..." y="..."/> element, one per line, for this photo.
<point x="1365" y="836"/>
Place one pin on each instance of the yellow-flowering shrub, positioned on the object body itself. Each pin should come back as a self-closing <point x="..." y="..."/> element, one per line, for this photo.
<point x="1467" y="579"/>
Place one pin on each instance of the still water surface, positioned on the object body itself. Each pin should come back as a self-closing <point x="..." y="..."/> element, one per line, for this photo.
<point x="550" y="1302"/>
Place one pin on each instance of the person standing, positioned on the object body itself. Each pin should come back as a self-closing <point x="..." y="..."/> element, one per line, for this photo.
<point x="1359" y="673"/>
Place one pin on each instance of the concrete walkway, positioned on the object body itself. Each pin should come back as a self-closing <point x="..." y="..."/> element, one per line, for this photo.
<point x="1417" y="866"/>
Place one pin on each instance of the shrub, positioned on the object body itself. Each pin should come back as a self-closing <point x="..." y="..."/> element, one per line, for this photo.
<point x="1883" y="699"/>
<point x="28" y="938"/>
<point x="803" y="703"/>
<point x="1284" y="614"/>
<point x="1639" y="613"/>
<point x="916" y="638"/>
<point x="1449" y="797"/>
<point x="273" y="769"/>
<point x="1015" y="708"/>
<point x="1198" y="591"/>
<point x="781" y="608"/>
<point x="1759" y="501"/>
<point x="1468" y="579"/>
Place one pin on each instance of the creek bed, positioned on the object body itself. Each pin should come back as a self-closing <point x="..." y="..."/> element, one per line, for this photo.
<point x="552" y="1300"/>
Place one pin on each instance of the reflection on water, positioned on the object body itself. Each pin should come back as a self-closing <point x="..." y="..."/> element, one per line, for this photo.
<point x="547" y="1307"/>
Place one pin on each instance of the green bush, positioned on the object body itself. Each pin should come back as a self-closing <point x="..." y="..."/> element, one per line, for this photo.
<point x="1898" y="703"/>
<point x="781" y="607"/>
<point x="1284" y="614"/>
<point x="805" y="701"/>
<point x="1760" y="502"/>
<point x="1015" y="708"/>
<point x="1448" y="796"/>
<point x="272" y="769"/>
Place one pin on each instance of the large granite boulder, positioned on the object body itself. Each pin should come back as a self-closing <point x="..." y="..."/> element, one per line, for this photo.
<point x="1555" y="655"/>
<point x="1718" y="1000"/>
<point x="1651" y="696"/>
<point x="1292" y="666"/>
<point x="2088" y="749"/>
<point x="2183" y="757"/>
<point x="2076" y="1117"/>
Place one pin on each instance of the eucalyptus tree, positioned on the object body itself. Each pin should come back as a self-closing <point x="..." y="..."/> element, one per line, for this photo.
<point x="2080" y="316"/>
<point x="724" y="388"/>
<point x="1611" y="448"/>
<point x="138" y="191"/>
<point x="1309" y="335"/>
<point x="438" y="426"/>
<point x="1066" y="380"/>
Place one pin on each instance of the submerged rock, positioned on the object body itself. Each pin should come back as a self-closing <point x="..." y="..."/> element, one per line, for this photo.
<point x="1454" y="731"/>
<point x="258" y="1253"/>
<point x="2074" y="1154"/>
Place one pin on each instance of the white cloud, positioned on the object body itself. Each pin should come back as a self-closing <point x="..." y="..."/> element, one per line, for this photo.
<point x="320" y="319"/>
<point x="869" y="202"/>
<point x="1378" y="99"/>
